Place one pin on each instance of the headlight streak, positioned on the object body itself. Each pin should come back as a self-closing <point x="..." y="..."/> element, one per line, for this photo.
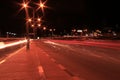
<point x="12" y="44"/>
<point x="50" y="42"/>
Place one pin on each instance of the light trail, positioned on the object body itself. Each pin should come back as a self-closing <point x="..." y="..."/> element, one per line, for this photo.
<point x="12" y="44"/>
<point x="53" y="43"/>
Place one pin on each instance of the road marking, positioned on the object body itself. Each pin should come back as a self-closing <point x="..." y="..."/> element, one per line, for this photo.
<point x="53" y="43"/>
<point x="11" y="55"/>
<point x="61" y="67"/>
<point x="15" y="52"/>
<point x="95" y="55"/>
<point x="40" y="69"/>
<point x="47" y="55"/>
<point x="52" y="59"/>
<point x="41" y="73"/>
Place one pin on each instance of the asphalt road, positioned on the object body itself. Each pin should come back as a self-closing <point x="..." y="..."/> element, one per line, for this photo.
<point x="88" y="60"/>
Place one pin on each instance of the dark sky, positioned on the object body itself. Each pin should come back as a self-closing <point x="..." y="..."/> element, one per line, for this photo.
<point x="61" y="13"/>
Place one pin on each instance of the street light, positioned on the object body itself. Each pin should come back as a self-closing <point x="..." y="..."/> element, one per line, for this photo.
<point x="30" y="20"/>
<point x="25" y="6"/>
<point x="32" y="25"/>
<point x="52" y="32"/>
<point x="44" y="28"/>
<point x="39" y="19"/>
<point x="39" y="25"/>
<point x="41" y="5"/>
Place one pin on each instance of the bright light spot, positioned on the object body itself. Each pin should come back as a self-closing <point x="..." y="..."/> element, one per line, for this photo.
<point x="44" y="28"/>
<point x="114" y="34"/>
<point x="41" y="5"/>
<point x="38" y="37"/>
<point x="24" y="5"/>
<point x="29" y="20"/>
<point x="50" y="29"/>
<point x="54" y="29"/>
<point x="39" y="19"/>
<point x="53" y="43"/>
<point x="2" y="61"/>
<point x="39" y="25"/>
<point x="32" y="25"/>
<point x="1" y="44"/>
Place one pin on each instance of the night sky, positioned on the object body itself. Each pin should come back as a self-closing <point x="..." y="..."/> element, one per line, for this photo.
<point x="61" y="14"/>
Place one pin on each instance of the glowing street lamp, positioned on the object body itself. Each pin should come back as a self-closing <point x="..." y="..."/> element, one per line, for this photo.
<point x="50" y="30"/>
<point x="32" y="25"/>
<point x="39" y="25"/>
<point x="44" y="28"/>
<point x="39" y="19"/>
<point x="41" y="5"/>
<point x="29" y="20"/>
<point x="24" y="5"/>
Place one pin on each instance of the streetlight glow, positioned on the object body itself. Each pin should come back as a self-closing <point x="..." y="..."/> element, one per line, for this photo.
<point x="39" y="25"/>
<point x="41" y="5"/>
<point x="29" y="20"/>
<point x="39" y="19"/>
<point x="44" y="28"/>
<point x="24" y="5"/>
<point x="32" y="25"/>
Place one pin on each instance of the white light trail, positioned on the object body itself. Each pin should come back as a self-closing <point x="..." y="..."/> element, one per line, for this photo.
<point x="12" y="44"/>
<point x="50" y="42"/>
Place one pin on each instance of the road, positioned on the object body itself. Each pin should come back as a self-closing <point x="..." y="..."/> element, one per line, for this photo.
<point x="87" y="60"/>
<point x="81" y="60"/>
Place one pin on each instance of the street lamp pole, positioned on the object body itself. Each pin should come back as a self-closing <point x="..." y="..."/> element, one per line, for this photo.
<point x="33" y="14"/>
<point x="25" y="5"/>
<point x="27" y="34"/>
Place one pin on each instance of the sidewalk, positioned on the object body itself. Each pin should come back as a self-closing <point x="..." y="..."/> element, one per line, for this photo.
<point x="31" y="65"/>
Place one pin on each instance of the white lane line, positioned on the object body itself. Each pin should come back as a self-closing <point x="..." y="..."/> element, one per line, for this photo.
<point x="95" y="55"/>
<point x="54" y="43"/>
<point x="41" y="73"/>
<point x="40" y="69"/>
<point x="15" y="52"/>
<point x="11" y="55"/>
<point x="61" y="67"/>
<point x="47" y="55"/>
<point x="52" y="59"/>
